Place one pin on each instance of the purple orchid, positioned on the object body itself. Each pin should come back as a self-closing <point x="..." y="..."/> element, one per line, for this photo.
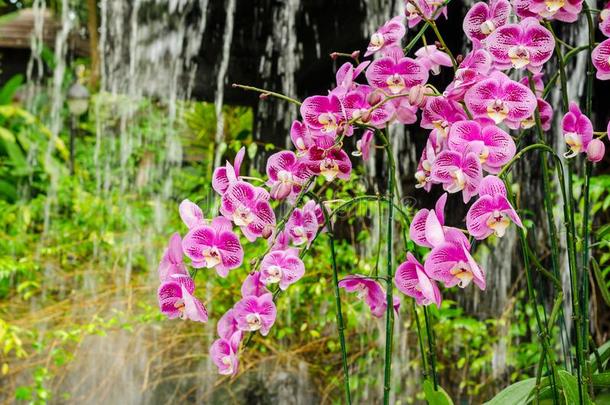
<point x="428" y="227"/>
<point x="214" y="246"/>
<point x="302" y="225"/>
<point x="171" y="263"/>
<point x="500" y="99"/>
<point x="494" y="147"/>
<point x="483" y="19"/>
<point x="248" y="207"/>
<point x="176" y="299"/>
<point x="411" y="279"/>
<point x="227" y="326"/>
<point x="358" y="108"/>
<point x="388" y="34"/>
<point x="416" y="9"/>
<point x="439" y="113"/>
<point x="330" y="163"/>
<point x="363" y="146"/>
<point x="492" y="212"/>
<point x="577" y="130"/>
<point x="281" y="267"/>
<point x="223" y="177"/>
<point x="253" y="285"/>
<point x="254" y="313"/>
<point x="346" y="75"/>
<point x="474" y="68"/>
<point x="561" y="10"/>
<point x="432" y="58"/>
<point x="457" y="172"/>
<point x="601" y="60"/>
<point x="370" y="291"/>
<point x="223" y="353"/>
<point x="287" y="174"/>
<point x="396" y="75"/>
<point x="323" y="114"/>
<point x="426" y="161"/>
<point x="604" y="20"/>
<point x="191" y="214"/>
<point x="452" y="264"/>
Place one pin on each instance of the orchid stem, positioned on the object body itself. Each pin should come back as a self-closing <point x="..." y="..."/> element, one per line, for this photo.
<point x="265" y="93"/>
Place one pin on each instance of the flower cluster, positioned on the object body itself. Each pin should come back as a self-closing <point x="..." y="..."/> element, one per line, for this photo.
<point x="468" y="145"/>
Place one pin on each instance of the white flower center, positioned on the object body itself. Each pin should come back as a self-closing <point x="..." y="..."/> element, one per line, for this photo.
<point x="377" y="40"/>
<point x="211" y="256"/>
<point x="497" y="111"/>
<point x="459" y="181"/>
<point x="462" y="272"/>
<point x="395" y="83"/>
<point x="498" y="221"/>
<point x="487" y="27"/>
<point x="519" y="56"/>
<point x="254" y="322"/>
<point x="552" y="6"/>
<point x="274" y="274"/>
<point x="329" y="122"/>
<point x="329" y="169"/>
<point x="243" y="216"/>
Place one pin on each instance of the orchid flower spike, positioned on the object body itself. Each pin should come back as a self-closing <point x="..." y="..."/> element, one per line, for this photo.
<point x="223" y="177"/>
<point x="577" y="130"/>
<point x="492" y="212"/>
<point x="387" y="35"/>
<point x="452" y="264"/>
<point x="482" y="19"/>
<point x="175" y="297"/>
<point x="254" y="313"/>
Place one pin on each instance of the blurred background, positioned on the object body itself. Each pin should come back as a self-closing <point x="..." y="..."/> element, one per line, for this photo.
<point x="113" y="111"/>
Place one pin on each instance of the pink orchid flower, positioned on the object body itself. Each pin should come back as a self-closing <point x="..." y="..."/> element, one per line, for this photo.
<point x="483" y="19"/>
<point x="248" y="207"/>
<point x="411" y="279"/>
<point x="256" y="313"/>
<point x="287" y="174"/>
<point x="223" y="177"/>
<point x="474" y="68"/>
<point x="227" y="326"/>
<point x="388" y="34"/>
<point x="452" y="264"/>
<point x="601" y="60"/>
<point x="330" y="163"/>
<point x="561" y="10"/>
<point x="494" y="147"/>
<point x="323" y="114"/>
<point x="457" y="172"/>
<point x="527" y="44"/>
<point x="404" y="111"/>
<point x="302" y="225"/>
<point x="500" y="98"/>
<point x="577" y="130"/>
<point x="346" y="75"/>
<point x="370" y="291"/>
<point x="176" y="299"/>
<point x="281" y="267"/>
<point x="426" y="161"/>
<point x="253" y="285"/>
<point x="492" y="212"/>
<point x="439" y="113"/>
<point x="214" y="246"/>
<point x="396" y="75"/>
<point x="546" y="117"/>
<point x="358" y="108"/>
<point x="191" y="214"/>
<point x="538" y="83"/>
<point x="604" y="20"/>
<point x="223" y="353"/>
<point x="432" y="59"/>
<point x="596" y="150"/>
<point x="414" y="10"/>
<point x="428" y="227"/>
<point x="363" y="145"/>
<point x="171" y="263"/>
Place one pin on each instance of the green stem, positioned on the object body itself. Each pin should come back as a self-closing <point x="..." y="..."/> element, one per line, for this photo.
<point x="265" y="93"/>
<point x="431" y="348"/>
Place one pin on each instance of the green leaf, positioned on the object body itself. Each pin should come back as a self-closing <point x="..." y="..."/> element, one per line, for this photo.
<point x="10" y="87"/>
<point x="570" y="388"/>
<point x="439" y="397"/>
<point x="601" y="380"/>
<point x="599" y="277"/>
<point x="516" y="393"/>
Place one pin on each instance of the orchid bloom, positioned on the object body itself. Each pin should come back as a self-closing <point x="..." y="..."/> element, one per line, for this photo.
<point x="428" y="227"/>
<point x="323" y="114"/>
<point x="411" y="279"/>
<point x="457" y="172"/>
<point x="287" y="174"/>
<point x="604" y="20"/>
<point x="482" y="19"/>
<point x="370" y="291"/>
<point x="426" y="161"/>
<point x="492" y="212"/>
<point x="345" y="76"/>
<point x="561" y="10"/>
<point x="171" y="263"/>
<point x="601" y="60"/>
<point x="416" y="9"/>
<point x="214" y="246"/>
<point x="432" y="58"/>
<point x="439" y="113"/>
<point x="253" y="285"/>
<point x="527" y="44"/>
<point x="191" y="214"/>
<point x="494" y="147"/>
<point x="281" y="267"/>
<point x="223" y="177"/>
<point x="223" y="353"/>
<point x="473" y="69"/>
<point x="363" y="145"/>
<point x="358" y="108"/>
<point x="396" y="75"/>
<point x="302" y="225"/>
<point x="248" y="207"/>
<point x="176" y="299"/>
<point x="388" y="34"/>
<point x="546" y="117"/>
<point x="330" y="163"/>
<point x="452" y="264"/>
<point x="500" y="99"/>
<point x="227" y="326"/>
<point x="577" y="130"/>
<point x="254" y="313"/>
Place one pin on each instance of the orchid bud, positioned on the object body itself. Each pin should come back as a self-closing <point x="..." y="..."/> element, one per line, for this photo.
<point x="417" y="95"/>
<point x="264" y="96"/>
<point x="355" y="54"/>
<point x="267" y="232"/>
<point x="334" y="55"/>
<point x="438" y="45"/>
<point x="374" y="98"/>
<point x="280" y="190"/>
<point x="365" y="117"/>
<point x="459" y="59"/>
<point x="595" y="150"/>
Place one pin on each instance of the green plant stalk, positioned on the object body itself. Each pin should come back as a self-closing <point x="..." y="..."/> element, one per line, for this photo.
<point x="387" y="374"/>
<point x="431" y="348"/>
<point x="340" y="323"/>
<point x="571" y="232"/>
<point x="420" y="339"/>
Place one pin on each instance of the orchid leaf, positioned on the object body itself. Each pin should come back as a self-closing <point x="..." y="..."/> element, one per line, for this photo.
<point x="436" y="397"/>
<point x="514" y="394"/>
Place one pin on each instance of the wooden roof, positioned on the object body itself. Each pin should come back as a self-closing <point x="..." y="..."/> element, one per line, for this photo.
<point x="17" y="29"/>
